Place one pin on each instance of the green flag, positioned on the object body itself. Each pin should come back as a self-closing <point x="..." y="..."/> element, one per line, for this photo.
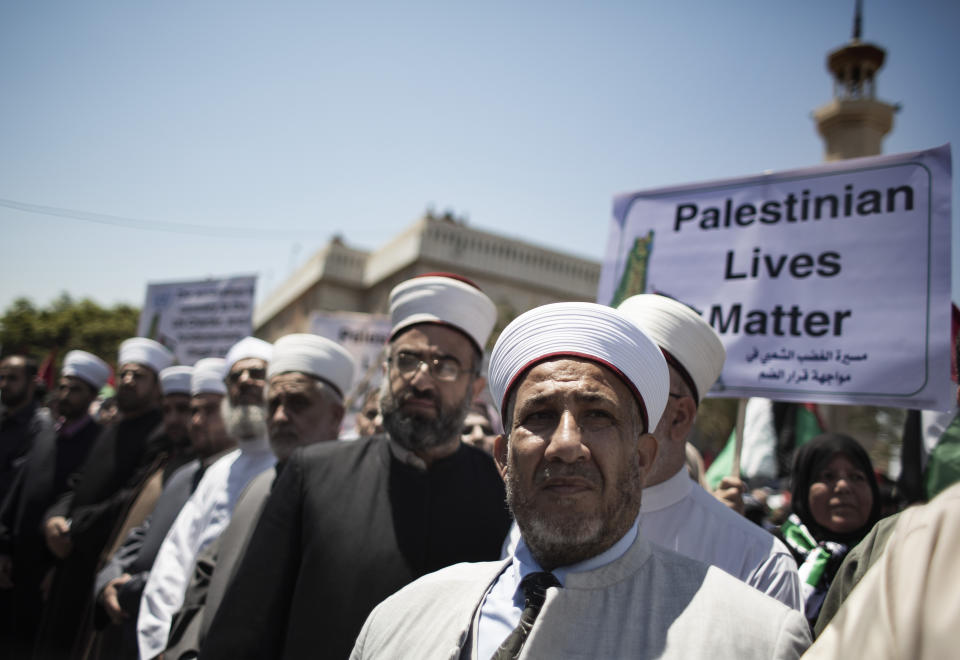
<point x="943" y="465"/>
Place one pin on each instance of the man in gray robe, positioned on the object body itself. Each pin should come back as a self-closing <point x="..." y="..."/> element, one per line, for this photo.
<point x="307" y="379"/>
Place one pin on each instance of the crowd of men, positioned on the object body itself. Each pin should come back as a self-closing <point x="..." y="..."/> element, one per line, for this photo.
<point x="221" y="517"/>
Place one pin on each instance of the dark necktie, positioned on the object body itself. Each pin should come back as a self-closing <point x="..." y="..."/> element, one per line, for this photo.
<point x="534" y="587"/>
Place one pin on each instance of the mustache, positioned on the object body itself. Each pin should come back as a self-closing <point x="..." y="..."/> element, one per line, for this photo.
<point x="557" y="470"/>
<point x="280" y="427"/>
<point x="413" y="393"/>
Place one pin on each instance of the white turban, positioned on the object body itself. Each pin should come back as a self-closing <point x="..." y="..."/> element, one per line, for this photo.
<point x="691" y="345"/>
<point x="87" y="367"/>
<point x="175" y="380"/>
<point x="246" y="348"/>
<point x="146" y="352"/>
<point x="445" y="299"/>
<point x="585" y="330"/>
<point x="315" y="356"/>
<point x="208" y="375"/>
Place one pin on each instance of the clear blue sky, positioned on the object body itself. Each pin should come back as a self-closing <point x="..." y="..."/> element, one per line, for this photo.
<point x="284" y="123"/>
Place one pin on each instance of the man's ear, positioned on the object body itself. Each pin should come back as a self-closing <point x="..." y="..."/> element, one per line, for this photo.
<point x="478" y="384"/>
<point x="647" y="446"/>
<point x="500" y="454"/>
<point x="684" y="412"/>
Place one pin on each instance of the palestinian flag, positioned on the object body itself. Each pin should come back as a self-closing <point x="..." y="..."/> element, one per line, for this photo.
<point x="771" y="433"/>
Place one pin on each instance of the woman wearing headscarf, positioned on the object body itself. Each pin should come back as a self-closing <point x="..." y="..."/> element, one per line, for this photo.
<point x="835" y="502"/>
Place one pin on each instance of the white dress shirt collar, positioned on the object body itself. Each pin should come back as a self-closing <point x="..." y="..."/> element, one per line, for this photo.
<point x="523" y="562"/>
<point x="666" y="493"/>
<point x="503" y="603"/>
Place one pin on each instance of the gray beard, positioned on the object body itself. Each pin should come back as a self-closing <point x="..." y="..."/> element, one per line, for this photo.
<point x="563" y="541"/>
<point x="417" y="433"/>
<point x="245" y="421"/>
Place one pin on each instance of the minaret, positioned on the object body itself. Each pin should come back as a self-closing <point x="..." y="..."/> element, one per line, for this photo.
<point x="854" y="123"/>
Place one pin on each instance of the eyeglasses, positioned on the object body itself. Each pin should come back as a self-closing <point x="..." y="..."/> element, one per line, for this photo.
<point x="258" y="373"/>
<point x="443" y="368"/>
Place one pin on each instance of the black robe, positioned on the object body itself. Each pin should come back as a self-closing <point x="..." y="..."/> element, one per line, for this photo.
<point x="346" y="525"/>
<point x="122" y="458"/>
<point x="135" y="557"/>
<point x="17" y="433"/>
<point x="52" y="458"/>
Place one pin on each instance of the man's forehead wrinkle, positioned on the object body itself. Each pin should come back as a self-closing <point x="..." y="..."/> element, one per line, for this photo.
<point x="295" y="383"/>
<point x="587" y="391"/>
<point x="593" y="381"/>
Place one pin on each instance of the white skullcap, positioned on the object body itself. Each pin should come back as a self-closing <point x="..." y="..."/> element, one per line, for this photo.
<point x="446" y="299"/>
<point x="248" y="347"/>
<point x="586" y="330"/>
<point x="87" y="367"/>
<point x="315" y="356"/>
<point x="208" y="375"/>
<point x="175" y="380"/>
<point x="691" y="345"/>
<point x="146" y="352"/>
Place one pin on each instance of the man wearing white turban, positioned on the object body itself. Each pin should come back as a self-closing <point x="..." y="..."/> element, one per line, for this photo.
<point x="79" y="525"/>
<point x="676" y="512"/>
<point x="580" y="388"/>
<point x="119" y="584"/>
<point x="307" y="377"/>
<point x="208" y="510"/>
<point x="349" y="523"/>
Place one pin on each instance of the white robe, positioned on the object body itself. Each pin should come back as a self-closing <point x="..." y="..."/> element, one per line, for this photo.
<point x="205" y="515"/>
<point x="680" y="515"/>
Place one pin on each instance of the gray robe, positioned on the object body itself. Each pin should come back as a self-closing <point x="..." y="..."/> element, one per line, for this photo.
<point x="214" y="569"/>
<point x="649" y="603"/>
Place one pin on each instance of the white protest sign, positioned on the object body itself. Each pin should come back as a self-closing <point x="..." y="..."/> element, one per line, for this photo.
<point x="199" y="319"/>
<point x="828" y="284"/>
<point x="363" y="335"/>
<point x="365" y="338"/>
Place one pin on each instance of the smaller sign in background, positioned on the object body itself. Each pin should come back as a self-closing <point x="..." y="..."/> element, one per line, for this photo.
<point x="365" y="337"/>
<point x="199" y="319"/>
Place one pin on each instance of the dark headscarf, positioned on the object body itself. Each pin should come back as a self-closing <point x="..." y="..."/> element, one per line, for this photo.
<point x="809" y="460"/>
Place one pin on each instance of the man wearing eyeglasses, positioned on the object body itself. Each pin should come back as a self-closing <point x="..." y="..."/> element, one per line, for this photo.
<point x="349" y="523"/>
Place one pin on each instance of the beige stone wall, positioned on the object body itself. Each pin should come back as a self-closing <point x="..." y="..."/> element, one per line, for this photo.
<point x="516" y="275"/>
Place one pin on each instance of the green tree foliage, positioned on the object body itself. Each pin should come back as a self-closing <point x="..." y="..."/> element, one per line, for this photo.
<point x="66" y="324"/>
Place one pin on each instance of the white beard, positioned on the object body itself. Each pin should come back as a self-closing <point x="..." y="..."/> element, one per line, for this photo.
<point x="245" y="421"/>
